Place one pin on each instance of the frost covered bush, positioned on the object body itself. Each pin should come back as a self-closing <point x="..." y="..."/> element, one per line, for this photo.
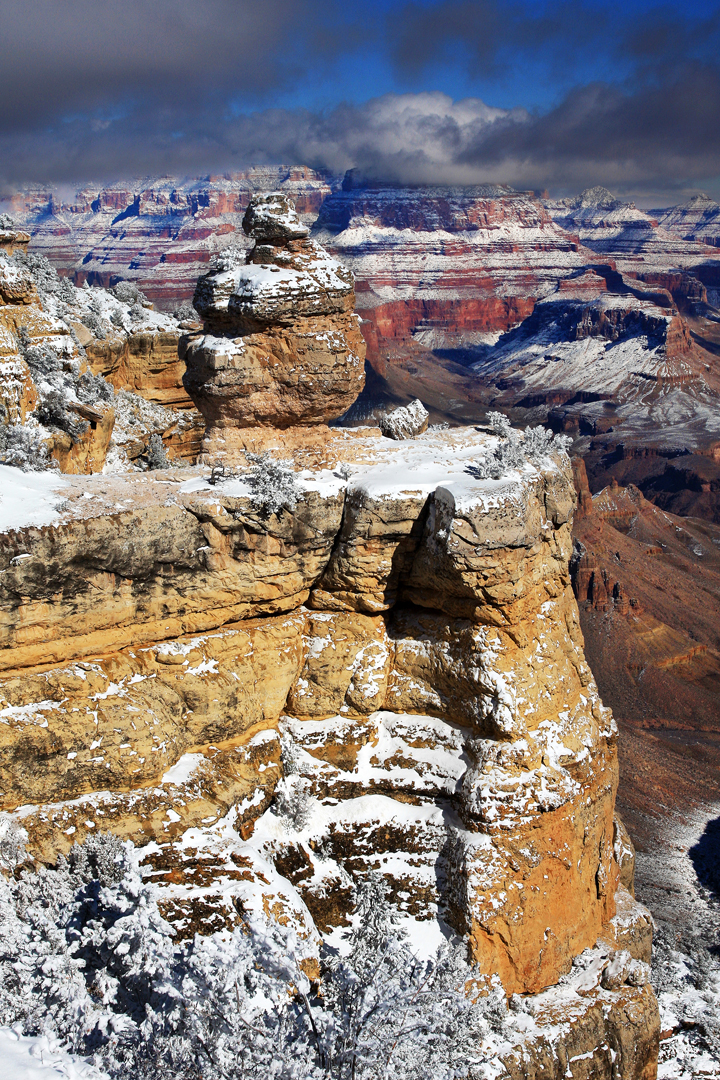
<point x="686" y="979"/>
<point x="186" y="313"/>
<point x="93" y="322"/>
<point x="52" y="412"/>
<point x="156" y="453"/>
<point x="292" y="802"/>
<point x="229" y="259"/>
<point x="128" y="293"/>
<point x="499" y="423"/>
<point x="515" y="448"/>
<point x="86" y="957"/>
<point x="23" y="448"/>
<point x="273" y="484"/>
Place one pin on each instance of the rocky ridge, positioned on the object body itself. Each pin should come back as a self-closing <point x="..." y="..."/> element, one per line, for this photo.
<point x="158" y="232"/>
<point x="445" y="267"/>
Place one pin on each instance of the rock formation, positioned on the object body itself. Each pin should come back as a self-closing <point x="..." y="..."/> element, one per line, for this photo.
<point x="281" y="346"/>
<point x="445" y="267"/>
<point x="386" y="673"/>
<point x="605" y="352"/>
<point x="158" y="232"/>
<point x="698" y="220"/>
<point x="416" y="640"/>
<point x="63" y="353"/>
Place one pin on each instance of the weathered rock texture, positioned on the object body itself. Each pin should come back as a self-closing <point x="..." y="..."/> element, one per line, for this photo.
<point x="411" y="631"/>
<point x="282" y="346"/>
<point x="54" y="338"/>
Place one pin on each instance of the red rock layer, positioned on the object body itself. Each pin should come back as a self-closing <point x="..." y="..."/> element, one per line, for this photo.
<point x="446" y="266"/>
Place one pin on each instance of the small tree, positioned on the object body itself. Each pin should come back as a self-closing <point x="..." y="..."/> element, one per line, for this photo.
<point x="156" y="453"/>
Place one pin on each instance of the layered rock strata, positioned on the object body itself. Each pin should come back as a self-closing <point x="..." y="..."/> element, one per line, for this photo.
<point x="281" y="346"/>
<point x="445" y="268"/>
<point x="158" y="232"/>
<point x="606" y="352"/>
<point x="415" y="639"/>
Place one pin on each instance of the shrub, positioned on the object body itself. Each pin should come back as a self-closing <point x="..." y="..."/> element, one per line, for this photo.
<point x="86" y="957"/>
<point x="156" y="453"/>
<point x="515" y="449"/>
<point x="273" y="484"/>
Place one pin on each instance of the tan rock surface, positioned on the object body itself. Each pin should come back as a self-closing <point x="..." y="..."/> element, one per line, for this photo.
<point x="434" y="700"/>
<point x="103" y="582"/>
<point x="282" y="346"/>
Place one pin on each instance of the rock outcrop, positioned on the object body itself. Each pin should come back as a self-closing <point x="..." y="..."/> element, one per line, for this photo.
<point x="418" y="646"/>
<point x="281" y="346"/>
<point x="605" y="352"/>
<point x="87" y="376"/>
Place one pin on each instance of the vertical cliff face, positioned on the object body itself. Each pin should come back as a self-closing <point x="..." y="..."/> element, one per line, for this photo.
<point x="281" y="346"/>
<point x="411" y="632"/>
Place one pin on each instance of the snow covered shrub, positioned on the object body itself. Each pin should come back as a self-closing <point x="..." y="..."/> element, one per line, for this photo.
<point x="23" y="448"/>
<point x="52" y="412"/>
<point x="12" y="843"/>
<point x="539" y="443"/>
<point x="128" y="293"/>
<point x="499" y="423"/>
<point x="86" y="957"/>
<point x="93" y="388"/>
<point x="516" y="448"/>
<point x="229" y="259"/>
<point x="93" y="322"/>
<point x="186" y="313"/>
<point x="156" y="453"/>
<point x="273" y="484"/>
<point x="686" y="979"/>
<point x="293" y="802"/>
<point x="220" y="472"/>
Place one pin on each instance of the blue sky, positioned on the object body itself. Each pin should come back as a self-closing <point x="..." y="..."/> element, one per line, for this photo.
<point x="553" y="94"/>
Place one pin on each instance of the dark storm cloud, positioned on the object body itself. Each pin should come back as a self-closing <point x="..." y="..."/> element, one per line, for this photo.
<point x="64" y="58"/>
<point x="146" y="87"/>
<point x="484" y="34"/>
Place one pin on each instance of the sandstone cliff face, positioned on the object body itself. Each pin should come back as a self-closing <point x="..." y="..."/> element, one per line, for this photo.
<point x="419" y="647"/>
<point x="282" y="347"/>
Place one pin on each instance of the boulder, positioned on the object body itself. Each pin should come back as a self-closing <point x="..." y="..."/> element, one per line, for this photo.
<point x="405" y="422"/>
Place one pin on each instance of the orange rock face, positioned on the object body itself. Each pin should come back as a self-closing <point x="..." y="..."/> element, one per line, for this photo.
<point x="435" y="692"/>
<point x="282" y="347"/>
